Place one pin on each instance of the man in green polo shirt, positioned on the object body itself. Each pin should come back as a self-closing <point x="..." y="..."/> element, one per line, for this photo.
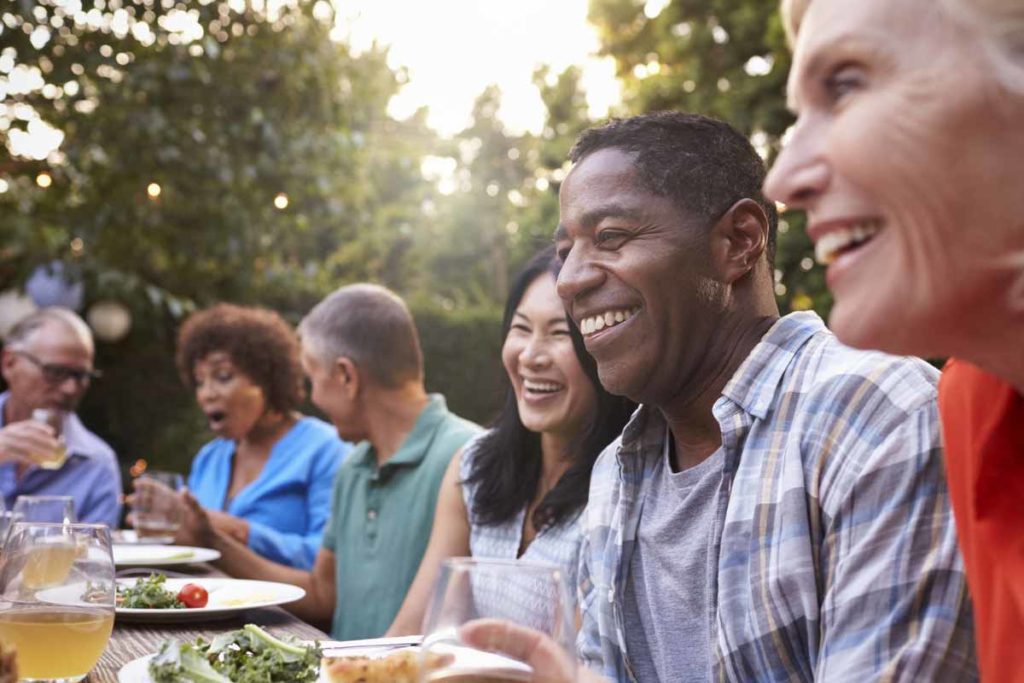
<point x="361" y="353"/>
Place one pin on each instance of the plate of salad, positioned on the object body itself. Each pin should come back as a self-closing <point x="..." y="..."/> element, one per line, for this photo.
<point x="156" y="598"/>
<point x="248" y="654"/>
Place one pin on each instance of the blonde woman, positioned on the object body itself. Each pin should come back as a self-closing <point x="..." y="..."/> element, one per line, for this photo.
<point x="907" y="157"/>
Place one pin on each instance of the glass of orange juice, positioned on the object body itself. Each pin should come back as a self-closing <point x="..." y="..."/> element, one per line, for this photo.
<point x="56" y="598"/>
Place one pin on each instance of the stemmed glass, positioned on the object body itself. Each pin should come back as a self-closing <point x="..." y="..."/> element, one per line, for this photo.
<point x="528" y="594"/>
<point x="47" y="509"/>
<point x="57" y="598"/>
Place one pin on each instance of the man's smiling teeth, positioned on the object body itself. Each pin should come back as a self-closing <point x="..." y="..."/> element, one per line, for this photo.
<point x="541" y="387"/>
<point x="831" y="244"/>
<point x="596" y="323"/>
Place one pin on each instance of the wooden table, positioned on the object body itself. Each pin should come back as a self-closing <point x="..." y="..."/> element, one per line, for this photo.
<point x="130" y="641"/>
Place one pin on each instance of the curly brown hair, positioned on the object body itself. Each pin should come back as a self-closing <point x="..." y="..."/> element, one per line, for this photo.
<point x="263" y="346"/>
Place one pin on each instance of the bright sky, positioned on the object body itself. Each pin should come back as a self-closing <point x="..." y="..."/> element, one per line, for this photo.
<point x="453" y="49"/>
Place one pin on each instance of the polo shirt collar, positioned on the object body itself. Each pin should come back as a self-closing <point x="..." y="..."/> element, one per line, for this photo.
<point x="416" y="444"/>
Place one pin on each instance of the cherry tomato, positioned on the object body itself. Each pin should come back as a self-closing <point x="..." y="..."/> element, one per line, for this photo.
<point x="192" y="595"/>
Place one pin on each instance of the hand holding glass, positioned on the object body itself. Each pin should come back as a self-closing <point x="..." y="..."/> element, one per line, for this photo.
<point x="57" y="598"/>
<point x="513" y="593"/>
<point x="157" y="509"/>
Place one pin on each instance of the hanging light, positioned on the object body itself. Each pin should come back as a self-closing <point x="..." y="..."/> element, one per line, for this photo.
<point x="281" y="201"/>
<point x="44" y="180"/>
<point x="110" y="320"/>
<point x="14" y="306"/>
<point x="153" y="190"/>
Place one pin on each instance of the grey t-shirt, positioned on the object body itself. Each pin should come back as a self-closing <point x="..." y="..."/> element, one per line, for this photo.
<point x="667" y="606"/>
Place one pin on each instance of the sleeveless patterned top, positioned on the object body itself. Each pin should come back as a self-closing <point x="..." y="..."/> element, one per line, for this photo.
<point x="557" y="545"/>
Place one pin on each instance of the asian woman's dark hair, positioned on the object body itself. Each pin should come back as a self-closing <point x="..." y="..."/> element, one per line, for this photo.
<point x="507" y="460"/>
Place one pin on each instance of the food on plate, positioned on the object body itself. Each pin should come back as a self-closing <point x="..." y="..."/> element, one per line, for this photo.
<point x="249" y="655"/>
<point x="149" y="593"/>
<point x="192" y="595"/>
<point x="402" y="666"/>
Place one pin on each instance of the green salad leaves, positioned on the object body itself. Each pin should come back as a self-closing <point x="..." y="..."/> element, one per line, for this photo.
<point x="249" y="655"/>
<point x="148" y="593"/>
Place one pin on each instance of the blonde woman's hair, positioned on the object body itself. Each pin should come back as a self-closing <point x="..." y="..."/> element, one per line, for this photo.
<point x="999" y="24"/>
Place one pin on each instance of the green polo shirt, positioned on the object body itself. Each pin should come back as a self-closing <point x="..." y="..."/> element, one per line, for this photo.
<point x="381" y="520"/>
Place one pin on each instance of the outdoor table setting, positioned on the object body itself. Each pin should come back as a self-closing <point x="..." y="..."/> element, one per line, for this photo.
<point x="136" y="637"/>
<point x="76" y="603"/>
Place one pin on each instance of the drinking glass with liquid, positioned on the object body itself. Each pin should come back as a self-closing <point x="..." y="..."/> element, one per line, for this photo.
<point x="470" y="591"/>
<point x="56" y="599"/>
<point x="157" y="508"/>
<point x="55" y="459"/>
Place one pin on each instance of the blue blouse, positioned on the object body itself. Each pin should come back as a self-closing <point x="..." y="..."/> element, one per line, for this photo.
<point x="288" y="504"/>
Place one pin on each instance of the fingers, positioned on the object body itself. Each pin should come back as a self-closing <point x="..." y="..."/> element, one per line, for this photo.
<point x="22" y="441"/>
<point x="550" y="662"/>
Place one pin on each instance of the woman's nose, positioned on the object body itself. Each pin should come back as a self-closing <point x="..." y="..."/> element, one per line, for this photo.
<point x="535" y="353"/>
<point x="800" y="174"/>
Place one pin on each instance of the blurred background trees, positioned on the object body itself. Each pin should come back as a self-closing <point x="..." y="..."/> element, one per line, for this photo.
<point x="212" y="151"/>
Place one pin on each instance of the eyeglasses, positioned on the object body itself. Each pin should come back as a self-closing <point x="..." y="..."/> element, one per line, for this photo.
<point x="58" y="374"/>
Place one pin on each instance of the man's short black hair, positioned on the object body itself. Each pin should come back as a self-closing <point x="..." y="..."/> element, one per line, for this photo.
<point x="702" y="164"/>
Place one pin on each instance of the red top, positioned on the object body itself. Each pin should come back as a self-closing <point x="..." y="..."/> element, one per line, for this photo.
<point x="983" y="426"/>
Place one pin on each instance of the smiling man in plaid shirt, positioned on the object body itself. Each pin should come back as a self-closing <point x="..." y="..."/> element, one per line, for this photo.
<point x="776" y="510"/>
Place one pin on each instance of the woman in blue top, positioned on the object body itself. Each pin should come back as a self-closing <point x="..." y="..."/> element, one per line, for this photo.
<point x="517" y="490"/>
<point x="267" y="479"/>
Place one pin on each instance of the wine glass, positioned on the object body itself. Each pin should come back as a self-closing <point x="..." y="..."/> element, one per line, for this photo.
<point x="156" y="508"/>
<point x="533" y="595"/>
<point x="48" y="509"/>
<point x="7" y="519"/>
<point x="57" y="598"/>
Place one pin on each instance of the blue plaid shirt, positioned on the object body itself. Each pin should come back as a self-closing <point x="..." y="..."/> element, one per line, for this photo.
<point x="834" y="543"/>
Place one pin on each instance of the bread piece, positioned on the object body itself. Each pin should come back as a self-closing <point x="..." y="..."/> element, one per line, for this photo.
<point x="402" y="666"/>
<point x="398" y="667"/>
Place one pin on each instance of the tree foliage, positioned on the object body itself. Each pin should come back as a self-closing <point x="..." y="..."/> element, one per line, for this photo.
<point x="212" y="151"/>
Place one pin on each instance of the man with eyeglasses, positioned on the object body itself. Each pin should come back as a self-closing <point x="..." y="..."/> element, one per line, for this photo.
<point x="47" y="363"/>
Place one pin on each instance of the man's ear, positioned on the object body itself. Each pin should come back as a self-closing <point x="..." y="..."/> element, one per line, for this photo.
<point x="348" y="375"/>
<point x="7" y="360"/>
<point x="739" y="239"/>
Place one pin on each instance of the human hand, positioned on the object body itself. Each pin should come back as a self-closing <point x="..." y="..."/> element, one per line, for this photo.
<point x="21" y="441"/>
<point x="229" y="525"/>
<point x="196" y="528"/>
<point x="549" y="661"/>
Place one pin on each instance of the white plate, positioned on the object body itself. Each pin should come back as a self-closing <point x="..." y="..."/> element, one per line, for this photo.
<point x="137" y="671"/>
<point x="161" y="555"/>
<point x="228" y="597"/>
<point x="130" y="537"/>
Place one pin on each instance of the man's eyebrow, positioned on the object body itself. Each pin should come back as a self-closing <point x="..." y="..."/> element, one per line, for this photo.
<point x="594" y="216"/>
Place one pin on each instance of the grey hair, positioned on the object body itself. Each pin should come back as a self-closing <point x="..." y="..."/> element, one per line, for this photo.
<point x="24" y="328"/>
<point x="371" y="326"/>
<point x="998" y="23"/>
